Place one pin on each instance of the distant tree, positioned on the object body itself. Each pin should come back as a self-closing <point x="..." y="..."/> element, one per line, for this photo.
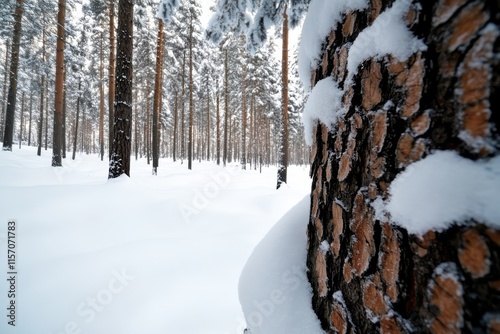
<point x="14" y="64"/>
<point x="157" y="98"/>
<point x="122" y="131"/>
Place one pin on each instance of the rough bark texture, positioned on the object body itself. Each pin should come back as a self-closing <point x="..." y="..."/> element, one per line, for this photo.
<point x="445" y="98"/>
<point x="156" y="100"/>
<point x="59" y="93"/>
<point x="283" y="150"/>
<point x="122" y="132"/>
<point x="8" y="135"/>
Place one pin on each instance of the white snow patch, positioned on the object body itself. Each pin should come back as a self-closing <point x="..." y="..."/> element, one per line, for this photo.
<point x="322" y="17"/>
<point x="324" y="104"/>
<point x="274" y="292"/>
<point x="387" y="35"/>
<point x="324" y="246"/>
<point x="444" y="188"/>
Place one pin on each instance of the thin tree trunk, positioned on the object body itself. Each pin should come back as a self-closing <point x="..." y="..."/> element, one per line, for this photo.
<point x="40" y="120"/>
<point x="59" y="94"/>
<point x="174" y="147"/>
<point x="76" y="120"/>
<point x="226" y="111"/>
<point x="21" y="121"/>
<point x="122" y="131"/>
<point x="183" y="99"/>
<point x="208" y="123"/>
<point x="63" y="135"/>
<point x="243" y="120"/>
<point x="147" y="132"/>
<point x="46" y="114"/>
<point x="157" y="96"/>
<point x="14" y="64"/>
<point x="101" y="98"/>
<point x="218" y="130"/>
<point x="111" y="73"/>
<point x="30" y="118"/>
<point x="136" y="124"/>
<point x="191" y="106"/>
<point x="283" y="152"/>
<point x="3" y="107"/>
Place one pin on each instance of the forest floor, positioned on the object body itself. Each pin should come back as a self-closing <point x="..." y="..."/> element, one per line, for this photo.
<point x="146" y="254"/>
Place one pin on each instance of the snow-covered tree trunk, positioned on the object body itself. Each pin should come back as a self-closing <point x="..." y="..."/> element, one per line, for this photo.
<point x="369" y="274"/>
<point x="59" y="84"/>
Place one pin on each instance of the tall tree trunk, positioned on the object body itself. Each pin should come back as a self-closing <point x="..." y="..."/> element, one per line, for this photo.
<point x="101" y="98"/>
<point x="174" y="145"/>
<point x="157" y="96"/>
<point x="30" y="118"/>
<point x="375" y="276"/>
<point x="59" y="94"/>
<point x="46" y="114"/>
<point x="40" y="119"/>
<point x="122" y="131"/>
<point x="208" y="123"/>
<point x="8" y="135"/>
<point x="136" y="124"/>
<point x="111" y="73"/>
<point x="191" y="106"/>
<point x="21" y="121"/>
<point x="218" y="130"/>
<point x="226" y="111"/>
<point x="63" y="135"/>
<point x="3" y="107"/>
<point x="243" y="120"/>
<point x="183" y="99"/>
<point x="283" y="150"/>
<point x="147" y="126"/>
<point x="75" y="140"/>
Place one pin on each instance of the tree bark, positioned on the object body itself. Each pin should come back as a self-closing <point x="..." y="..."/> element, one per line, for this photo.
<point x="40" y="119"/>
<point x="191" y="102"/>
<point x="30" y="118"/>
<point x="75" y="140"/>
<point x="375" y="276"/>
<point x="174" y="145"/>
<point x="122" y="131"/>
<point x="101" y="98"/>
<point x="157" y="95"/>
<point x="3" y="107"/>
<point x="244" y="120"/>
<point x="283" y="149"/>
<point x="8" y="135"/>
<point x="21" y="125"/>
<point x="218" y="130"/>
<point x="226" y="111"/>
<point x="59" y="94"/>
<point x="111" y="73"/>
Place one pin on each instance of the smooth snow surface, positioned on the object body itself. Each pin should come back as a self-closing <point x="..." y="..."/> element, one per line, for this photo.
<point x="444" y="188"/>
<point x="322" y="17"/>
<point x="147" y="254"/>
<point x="274" y="291"/>
<point x="323" y="104"/>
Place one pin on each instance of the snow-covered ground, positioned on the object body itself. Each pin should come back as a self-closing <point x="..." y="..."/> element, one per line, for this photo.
<point x="133" y="255"/>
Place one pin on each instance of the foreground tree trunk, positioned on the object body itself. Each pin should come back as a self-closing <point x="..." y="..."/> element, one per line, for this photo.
<point x="59" y="94"/>
<point x="375" y="276"/>
<point x="8" y="135"/>
<point x="111" y="73"/>
<point x="122" y="131"/>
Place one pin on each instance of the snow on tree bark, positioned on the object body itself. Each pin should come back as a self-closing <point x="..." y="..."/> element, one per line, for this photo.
<point x="376" y="276"/>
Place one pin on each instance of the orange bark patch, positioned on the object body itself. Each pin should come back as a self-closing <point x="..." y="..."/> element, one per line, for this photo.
<point x="348" y="26"/>
<point x="324" y="138"/>
<point x="328" y="171"/>
<point x="494" y="236"/>
<point x="377" y="165"/>
<point x="421" y="124"/>
<point x="363" y="244"/>
<point x="373" y="299"/>
<point x="466" y="25"/>
<point x="347" y="98"/>
<point x="399" y="69"/>
<point x="319" y="228"/>
<point x="376" y="8"/>
<point x="324" y="63"/>
<point x="475" y="255"/>
<point x="347" y="156"/>
<point x="446" y="304"/>
<point x="358" y="121"/>
<point x="389" y="325"/>
<point x="320" y="268"/>
<point x="343" y="54"/>
<point x="405" y="145"/>
<point x="418" y="150"/>
<point x="389" y="261"/>
<point x="372" y="191"/>
<point x="445" y="9"/>
<point x="347" y="272"/>
<point x="379" y="130"/>
<point x="338" y="318"/>
<point x="370" y="85"/>
<point x="414" y="85"/>
<point x="476" y="119"/>
<point x="421" y="245"/>
<point x="338" y="228"/>
<point x="494" y="325"/>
